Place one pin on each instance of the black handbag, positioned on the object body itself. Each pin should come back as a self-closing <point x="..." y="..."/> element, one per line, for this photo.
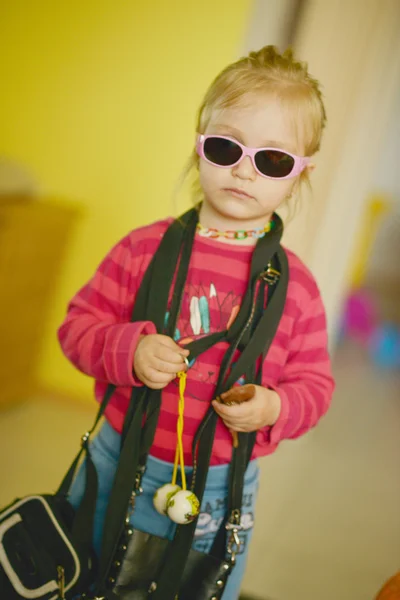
<point x="38" y="556"/>
<point x="45" y="546"/>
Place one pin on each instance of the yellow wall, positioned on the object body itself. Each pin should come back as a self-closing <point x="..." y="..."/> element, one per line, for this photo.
<point x="99" y="100"/>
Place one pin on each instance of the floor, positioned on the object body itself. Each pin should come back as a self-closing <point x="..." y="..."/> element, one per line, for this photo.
<point x="329" y="503"/>
<point x="328" y="516"/>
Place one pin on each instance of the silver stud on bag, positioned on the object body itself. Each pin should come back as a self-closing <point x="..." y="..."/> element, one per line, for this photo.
<point x="153" y="587"/>
<point x="85" y="438"/>
<point x="220" y="583"/>
<point x="138" y="480"/>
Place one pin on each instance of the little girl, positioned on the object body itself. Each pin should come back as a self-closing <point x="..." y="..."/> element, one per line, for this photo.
<point x="258" y="127"/>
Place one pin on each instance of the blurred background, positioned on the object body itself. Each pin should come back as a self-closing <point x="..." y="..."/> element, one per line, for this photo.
<point x="89" y="91"/>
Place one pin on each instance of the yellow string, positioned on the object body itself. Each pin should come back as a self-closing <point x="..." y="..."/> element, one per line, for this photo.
<point x="174" y="474"/>
<point x="179" y="458"/>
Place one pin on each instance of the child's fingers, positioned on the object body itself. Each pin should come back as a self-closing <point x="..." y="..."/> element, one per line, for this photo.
<point x="167" y="367"/>
<point x="233" y="426"/>
<point x="168" y="342"/>
<point x="220" y="409"/>
<point x="169" y="355"/>
<point x="155" y="376"/>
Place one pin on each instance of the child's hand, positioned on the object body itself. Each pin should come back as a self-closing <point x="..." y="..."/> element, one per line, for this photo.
<point x="157" y="360"/>
<point x="253" y="407"/>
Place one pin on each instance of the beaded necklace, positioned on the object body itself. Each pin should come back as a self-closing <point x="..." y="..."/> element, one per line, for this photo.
<point x="241" y="234"/>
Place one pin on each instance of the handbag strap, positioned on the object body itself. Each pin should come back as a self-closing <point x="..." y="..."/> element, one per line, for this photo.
<point x="82" y="530"/>
<point x="247" y="441"/>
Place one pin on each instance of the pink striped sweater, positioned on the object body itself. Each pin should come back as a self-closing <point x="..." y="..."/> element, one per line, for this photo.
<point x="99" y="339"/>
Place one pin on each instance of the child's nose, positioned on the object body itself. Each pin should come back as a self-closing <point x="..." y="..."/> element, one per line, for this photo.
<point x="245" y="169"/>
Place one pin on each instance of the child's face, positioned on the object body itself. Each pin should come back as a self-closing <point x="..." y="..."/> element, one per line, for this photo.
<point x="262" y="124"/>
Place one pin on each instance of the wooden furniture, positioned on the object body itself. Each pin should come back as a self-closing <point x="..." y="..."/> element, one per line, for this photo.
<point x="391" y="589"/>
<point x="33" y="239"/>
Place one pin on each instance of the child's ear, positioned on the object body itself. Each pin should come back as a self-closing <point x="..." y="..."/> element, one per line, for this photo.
<point x="311" y="167"/>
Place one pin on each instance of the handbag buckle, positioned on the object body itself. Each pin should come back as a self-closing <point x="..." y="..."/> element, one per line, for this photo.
<point x="61" y="582"/>
<point x="233" y="546"/>
<point x="234" y="521"/>
<point x="270" y="275"/>
<point x="233" y="526"/>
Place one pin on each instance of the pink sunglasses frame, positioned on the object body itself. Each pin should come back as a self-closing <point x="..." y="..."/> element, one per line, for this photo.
<point x="300" y="162"/>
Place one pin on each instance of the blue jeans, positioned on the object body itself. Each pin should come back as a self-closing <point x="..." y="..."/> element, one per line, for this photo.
<point x="105" y="452"/>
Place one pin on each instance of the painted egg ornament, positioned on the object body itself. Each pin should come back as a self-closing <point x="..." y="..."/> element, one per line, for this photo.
<point x="183" y="507"/>
<point x="163" y="495"/>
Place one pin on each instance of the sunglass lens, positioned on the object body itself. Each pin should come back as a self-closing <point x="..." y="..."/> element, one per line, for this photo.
<point x="222" y="151"/>
<point x="274" y="163"/>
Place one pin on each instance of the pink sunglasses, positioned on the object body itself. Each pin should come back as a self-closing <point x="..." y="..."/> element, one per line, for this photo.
<point x="272" y="163"/>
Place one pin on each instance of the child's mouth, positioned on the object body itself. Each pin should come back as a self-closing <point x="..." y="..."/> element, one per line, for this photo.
<point x="238" y="193"/>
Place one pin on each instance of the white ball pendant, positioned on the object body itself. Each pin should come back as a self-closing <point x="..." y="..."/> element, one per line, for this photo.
<point x="163" y="495"/>
<point x="183" y="507"/>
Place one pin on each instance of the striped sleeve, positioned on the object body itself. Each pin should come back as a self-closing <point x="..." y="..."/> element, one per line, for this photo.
<point x="307" y="385"/>
<point x="97" y="335"/>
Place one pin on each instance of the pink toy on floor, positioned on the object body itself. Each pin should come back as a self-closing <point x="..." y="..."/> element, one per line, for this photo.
<point x="360" y="316"/>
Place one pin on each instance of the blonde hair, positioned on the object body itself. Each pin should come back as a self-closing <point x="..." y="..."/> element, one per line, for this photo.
<point x="266" y="72"/>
